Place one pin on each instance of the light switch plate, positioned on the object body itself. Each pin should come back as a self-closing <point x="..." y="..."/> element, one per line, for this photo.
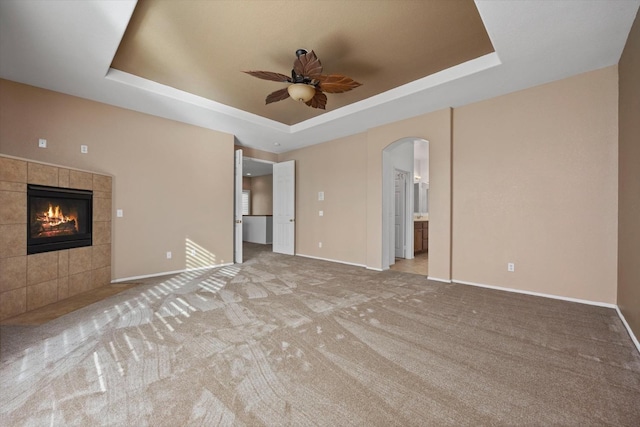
<point x="42" y="143"/>
<point x="119" y="213"/>
<point x="321" y="213"/>
<point x="84" y="149"/>
<point x="320" y="195"/>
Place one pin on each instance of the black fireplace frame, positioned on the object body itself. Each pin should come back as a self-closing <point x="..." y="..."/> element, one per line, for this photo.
<point x="37" y="245"/>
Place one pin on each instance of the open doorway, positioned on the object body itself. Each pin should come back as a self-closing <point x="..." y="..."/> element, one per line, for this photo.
<point x="265" y="201"/>
<point x="257" y="203"/>
<point x="411" y="227"/>
<point x="257" y="180"/>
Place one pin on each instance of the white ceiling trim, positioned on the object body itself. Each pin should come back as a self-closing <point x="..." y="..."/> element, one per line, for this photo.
<point x="459" y="71"/>
<point x="397" y="94"/>
<point x="198" y="101"/>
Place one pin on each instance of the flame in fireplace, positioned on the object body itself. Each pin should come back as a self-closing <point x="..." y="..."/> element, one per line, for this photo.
<point x="55" y="215"/>
<point x="54" y="221"/>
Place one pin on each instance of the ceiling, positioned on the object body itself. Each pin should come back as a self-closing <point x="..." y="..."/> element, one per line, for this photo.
<point x="253" y="167"/>
<point x="381" y="44"/>
<point x="70" y="47"/>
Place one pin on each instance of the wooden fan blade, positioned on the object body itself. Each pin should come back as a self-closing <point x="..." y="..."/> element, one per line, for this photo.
<point x="337" y="83"/>
<point x="278" y="95"/>
<point x="269" y="75"/>
<point x="308" y="65"/>
<point x="319" y="100"/>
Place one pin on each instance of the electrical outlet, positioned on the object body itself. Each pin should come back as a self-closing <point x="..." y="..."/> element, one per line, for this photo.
<point x="192" y="252"/>
<point x="321" y="213"/>
<point x="320" y="195"/>
<point x="168" y="255"/>
<point x="319" y="244"/>
<point x="42" y="143"/>
<point x="119" y="213"/>
<point x="84" y="149"/>
<point x="511" y="267"/>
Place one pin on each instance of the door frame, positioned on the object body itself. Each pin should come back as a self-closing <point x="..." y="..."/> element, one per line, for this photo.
<point x="237" y="207"/>
<point x="406" y="214"/>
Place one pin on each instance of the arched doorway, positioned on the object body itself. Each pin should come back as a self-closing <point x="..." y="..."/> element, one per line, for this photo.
<point x="400" y="156"/>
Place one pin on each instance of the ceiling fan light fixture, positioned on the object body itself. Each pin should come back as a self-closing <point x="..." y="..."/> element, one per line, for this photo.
<point x="301" y="92"/>
<point x="307" y="83"/>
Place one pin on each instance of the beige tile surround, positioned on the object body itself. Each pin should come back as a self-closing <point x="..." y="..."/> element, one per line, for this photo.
<point x="28" y="282"/>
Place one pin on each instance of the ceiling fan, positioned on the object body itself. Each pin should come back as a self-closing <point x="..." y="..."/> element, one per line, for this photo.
<point x="308" y="84"/>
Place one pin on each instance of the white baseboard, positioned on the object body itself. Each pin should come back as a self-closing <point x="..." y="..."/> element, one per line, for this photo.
<point x="626" y="325"/>
<point x="580" y="301"/>
<point x="437" y="279"/>
<point x="166" y="273"/>
<point x="537" y="294"/>
<point x="374" y="269"/>
<point x="331" y="260"/>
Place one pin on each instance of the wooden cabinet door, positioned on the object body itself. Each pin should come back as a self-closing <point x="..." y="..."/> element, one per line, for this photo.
<point x="425" y="236"/>
<point x="417" y="237"/>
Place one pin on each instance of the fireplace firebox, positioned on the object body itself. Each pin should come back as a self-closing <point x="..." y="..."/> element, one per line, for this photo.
<point x="58" y="218"/>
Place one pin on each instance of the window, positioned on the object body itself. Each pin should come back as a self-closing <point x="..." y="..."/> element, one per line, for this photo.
<point x="246" y="202"/>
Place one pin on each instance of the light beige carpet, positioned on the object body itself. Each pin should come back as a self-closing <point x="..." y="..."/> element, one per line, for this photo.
<point x="284" y="340"/>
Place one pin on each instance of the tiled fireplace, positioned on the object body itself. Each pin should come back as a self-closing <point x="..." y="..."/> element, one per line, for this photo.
<point x="31" y="278"/>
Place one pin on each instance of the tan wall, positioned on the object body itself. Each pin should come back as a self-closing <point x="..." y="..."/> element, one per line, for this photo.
<point x="262" y="195"/>
<point x="339" y="169"/>
<point x="534" y="183"/>
<point x="349" y="171"/>
<point x="173" y="181"/>
<point x="254" y="153"/>
<point x="246" y="183"/>
<point x="629" y="181"/>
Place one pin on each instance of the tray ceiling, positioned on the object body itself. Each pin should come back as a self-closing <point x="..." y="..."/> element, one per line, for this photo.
<point x="201" y="47"/>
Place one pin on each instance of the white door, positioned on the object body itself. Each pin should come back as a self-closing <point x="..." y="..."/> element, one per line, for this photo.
<point x="237" y="226"/>
<point x="284" y="205"/>
<point x="400" y="213"/>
